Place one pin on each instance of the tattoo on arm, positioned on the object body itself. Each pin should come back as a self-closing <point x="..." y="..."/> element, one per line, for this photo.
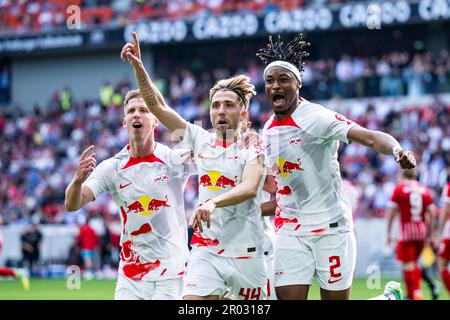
<point x="149" y="92"/>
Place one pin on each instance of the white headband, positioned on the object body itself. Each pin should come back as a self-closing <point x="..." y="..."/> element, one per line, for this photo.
<point x="285" y="65"/>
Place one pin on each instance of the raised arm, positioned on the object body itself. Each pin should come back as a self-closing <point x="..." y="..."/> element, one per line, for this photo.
<point x="150" y="93"/>
<point x="247" y="189"/>
<point x="269" y="208"/>
<point x="78" y="195"/>
<point x="429" y="222"/>
<point x="383" y="143"/>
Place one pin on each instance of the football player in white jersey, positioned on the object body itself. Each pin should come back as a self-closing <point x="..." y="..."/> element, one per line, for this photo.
<point x="227" y="254"/>
<point x="313" y="218"/>
<point x="146" y="180"/>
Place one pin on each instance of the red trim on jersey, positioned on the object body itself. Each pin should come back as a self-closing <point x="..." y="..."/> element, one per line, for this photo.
<point x="198" y="240"/>
<point x="164" y="271"/>
<point x="244" y="257"/>
<point x="124" y="216"/>
<point x="288" y="121"/>
<point x="221" y="143"/>
<point x="221" y="251"/>
<point x="133" y="268"/>
<point x="145" y="228"/>
<point x="150" y="158"/>
<point x="319" y="230"/>
<point x="446" y="193"/>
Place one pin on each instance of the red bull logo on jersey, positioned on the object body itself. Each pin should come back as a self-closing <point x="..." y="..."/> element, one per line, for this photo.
<point x="295" y="142"/>
<point x="161" y="180"/>
<point x="146" y="205"/>
<point x="283" y="167"/>
<point x="214" y="181"/>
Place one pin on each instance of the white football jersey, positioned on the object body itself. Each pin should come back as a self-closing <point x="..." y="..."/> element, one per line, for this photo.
<point x="446" y="199"/>
<point x="149" y="194"/>
<point x="302" y="150"/>
<point x="236" y="231"/>
<point x="268" y="228"/>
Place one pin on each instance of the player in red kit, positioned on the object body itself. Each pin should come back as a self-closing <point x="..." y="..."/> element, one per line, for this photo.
<point x="415" y="204"/>
<point x="88" y="241"/>
<point x="8" y="272"/>
<point x="444" y="233"/>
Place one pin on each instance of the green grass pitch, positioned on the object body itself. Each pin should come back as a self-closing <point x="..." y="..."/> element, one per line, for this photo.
<point x="47" y="289"/>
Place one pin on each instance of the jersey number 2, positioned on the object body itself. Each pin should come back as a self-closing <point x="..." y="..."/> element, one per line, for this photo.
<point x="335" y="263"/>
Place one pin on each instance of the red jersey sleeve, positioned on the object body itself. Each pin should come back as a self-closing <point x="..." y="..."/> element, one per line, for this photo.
<point x="395" y="194"/>
<point x="427" y="199"/>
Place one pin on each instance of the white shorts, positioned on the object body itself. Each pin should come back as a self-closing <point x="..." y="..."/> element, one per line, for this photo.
<point x="329" y="258"/>
<point x="269" y="261"/>
<point x="209" y="274"/>
<point x="128" y="289"/>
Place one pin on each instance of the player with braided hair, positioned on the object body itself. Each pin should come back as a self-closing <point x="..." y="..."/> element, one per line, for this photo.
<point x="313" y="216"/>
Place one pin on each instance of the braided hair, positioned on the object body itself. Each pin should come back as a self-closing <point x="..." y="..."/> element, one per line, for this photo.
<point x="294" y="52"/>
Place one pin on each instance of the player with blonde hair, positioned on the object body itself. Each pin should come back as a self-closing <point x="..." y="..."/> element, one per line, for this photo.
<point x="227" y="255"/>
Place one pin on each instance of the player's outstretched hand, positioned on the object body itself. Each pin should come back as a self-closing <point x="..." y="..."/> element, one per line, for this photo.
<point x="406" y="159"/>
<point x="86" y="165"/>
<point x="132" y="52"/>
<point x="203" y="213"/>
<point x="250" y="137"/>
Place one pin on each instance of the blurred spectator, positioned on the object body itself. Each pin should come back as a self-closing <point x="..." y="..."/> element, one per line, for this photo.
<point x="31" y="242"/>
<point x="106" y="246"/>
<point x="88" y="242"/>
<point x="45" y="15"/>
<point x="4" y="84"/>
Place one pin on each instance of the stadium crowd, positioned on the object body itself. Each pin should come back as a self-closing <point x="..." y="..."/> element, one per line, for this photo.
<point x="39" y="150"/>
<point x="45" y="15"/>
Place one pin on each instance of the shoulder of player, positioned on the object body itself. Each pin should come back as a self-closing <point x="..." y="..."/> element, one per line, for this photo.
<point x="398" y="188"/>
<point x="310" y="113"/>
<point x="108" y="164"/>
<point x="313" y="108"/>
<point x="268" y="122"/>
<point x="197" y="128"/>
<point x="173" y="157"/>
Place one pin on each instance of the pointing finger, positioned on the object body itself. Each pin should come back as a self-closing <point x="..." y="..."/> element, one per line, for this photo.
<point x="136" y="43"/>
<point x="86" y="151"/>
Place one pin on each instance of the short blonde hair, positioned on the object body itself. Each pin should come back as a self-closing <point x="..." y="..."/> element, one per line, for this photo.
<point x="240" y="85"/>
<point x="131" y="95"/>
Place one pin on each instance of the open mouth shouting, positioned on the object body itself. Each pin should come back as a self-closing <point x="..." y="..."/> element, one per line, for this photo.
<point x="137" y="125"/>
<point x="221" y="123"/>
<point x="278" y="99"/>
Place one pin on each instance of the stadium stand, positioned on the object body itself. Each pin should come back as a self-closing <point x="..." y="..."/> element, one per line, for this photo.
<point x="402" y="90"/>
<point x="46" y="142"/>
<point x="28" y="15"/>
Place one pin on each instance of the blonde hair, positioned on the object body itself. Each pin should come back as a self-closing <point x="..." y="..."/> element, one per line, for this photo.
<point x="240" y="85"/>
<point x="131" y="95"/>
